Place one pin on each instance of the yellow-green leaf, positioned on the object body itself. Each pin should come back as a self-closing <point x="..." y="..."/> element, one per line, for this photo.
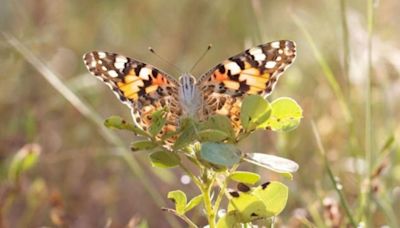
<point x="245" y="177"/>
<point x="255" y="110"/>
<point x="116" y="122"/>
<point x="274" y="195"/>
<point x="193" y="202"/>
<point x="285" y="116"/>
<point x="246" y="207"/>
<point x="179" y="198"/>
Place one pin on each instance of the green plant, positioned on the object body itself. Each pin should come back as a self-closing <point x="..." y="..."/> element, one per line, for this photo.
<point x="207" y="152"/>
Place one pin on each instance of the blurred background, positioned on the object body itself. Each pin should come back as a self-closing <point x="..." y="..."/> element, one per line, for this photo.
<point x="60" y="168"/>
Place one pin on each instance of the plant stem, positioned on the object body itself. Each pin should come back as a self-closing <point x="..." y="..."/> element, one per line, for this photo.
<point x="206" y="190"/>
<point x="183" y="217"/>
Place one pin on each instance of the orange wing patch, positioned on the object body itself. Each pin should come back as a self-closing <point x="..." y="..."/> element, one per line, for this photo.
<point x="255" y="71"/>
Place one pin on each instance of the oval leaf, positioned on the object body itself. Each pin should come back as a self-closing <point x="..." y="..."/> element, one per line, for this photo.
<point x="219" y="122"/>
<point x="246" y="207"/>
<point x="116" y="122"/>
<point x="285" y="116"/>
<point x="179" y="198"/>
<point x="245" y="177"/>
<point x="143" y="145"/>
<point x="274" y="195"/>
<point x="212" y="135"/>
<point x="272" y="162"/>
<point x="255" y="110"/>
<point x="164" y="159"/>
<point x="193" y="202"/>
<point x="220" y="154"/>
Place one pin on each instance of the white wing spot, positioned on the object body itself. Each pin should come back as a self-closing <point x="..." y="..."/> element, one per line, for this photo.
<point x="233" y="67"/>
<point x="280" y="51"/>
<point x="260" y="57"/>
<point x="270" y="64"/>
<point x="119" y="65"/>
<point x="104" y="68"/>
<point x="99" y="62"/>
<point x="255" y="51"/>
<point x="275" y="44"/>
<point x="112" y="73"/>
<point x="278" y="58"/>
<point x="92" y="64"/>
<point x="144" y="73"/>
<point x="101" y="54"/>
<point x="121" y="58"/>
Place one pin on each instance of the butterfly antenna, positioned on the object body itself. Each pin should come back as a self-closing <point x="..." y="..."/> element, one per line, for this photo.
<point x="201" y="57"/>
<point x="165" y="61"/>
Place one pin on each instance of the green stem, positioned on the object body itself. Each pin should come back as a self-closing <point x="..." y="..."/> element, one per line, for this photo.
<point x="183" y="217"/>
<point x="206" y="190"/>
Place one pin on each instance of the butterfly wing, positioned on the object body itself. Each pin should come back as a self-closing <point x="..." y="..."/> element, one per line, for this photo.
<point x="139" y="85"/>
<point x="254" y="71"/>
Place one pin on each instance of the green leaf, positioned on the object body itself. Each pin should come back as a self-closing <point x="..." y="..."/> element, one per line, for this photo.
<point x="285" y="116"/>
<point x="164" y="159"/>
<point x="143" y="145"/>
<point x="272" y="162"/>
<point x="227" y="221"/>
<point x="116" y="122"/>
<point x="179" y="198"/>
<point x="245" y="177"/>
<point x="212" y="135"/>
<point x="274" y="195"/>
<point x="193" y="202"/>
<point x="220" y="122"/>
<point x="25" y="159"/>
<point x="188" y="134"/>
<point x="255" y="110"/>
<point x="220" y="153"/>
<point x="158" y="119"/>
<point x="247" y="207"/>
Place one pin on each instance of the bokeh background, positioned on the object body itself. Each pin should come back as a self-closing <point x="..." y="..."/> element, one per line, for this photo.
<point x="86" y="176"/>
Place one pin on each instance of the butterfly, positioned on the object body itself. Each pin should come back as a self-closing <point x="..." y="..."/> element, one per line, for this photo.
<point x="146" y="89"/>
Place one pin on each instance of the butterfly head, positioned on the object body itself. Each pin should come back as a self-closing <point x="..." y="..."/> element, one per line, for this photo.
<point x="189" y="95"/>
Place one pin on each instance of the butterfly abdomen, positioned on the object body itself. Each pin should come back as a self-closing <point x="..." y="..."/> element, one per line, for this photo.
<point x="189" y="95"/>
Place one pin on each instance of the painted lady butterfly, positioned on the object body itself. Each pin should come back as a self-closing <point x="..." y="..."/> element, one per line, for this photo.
<point x="221" y="90"/>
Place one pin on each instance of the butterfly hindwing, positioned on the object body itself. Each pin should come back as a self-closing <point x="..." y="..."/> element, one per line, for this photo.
<point x="141" y="86"/>
<point x="254" y="71"/>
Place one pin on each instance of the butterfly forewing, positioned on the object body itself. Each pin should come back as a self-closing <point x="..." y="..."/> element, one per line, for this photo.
<point x="141" y="86"/>
<point x="254" y="71"/>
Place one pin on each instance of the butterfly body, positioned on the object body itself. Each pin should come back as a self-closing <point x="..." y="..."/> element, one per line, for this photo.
<point x="221" y="90"/>
<point x="189" y="96"/>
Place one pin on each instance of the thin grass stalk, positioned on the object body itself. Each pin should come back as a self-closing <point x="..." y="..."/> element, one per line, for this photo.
<point x="346" y="46"/>
<point x="88" y="112"/>
<point x="369" y="157"/>
<point x="328" y="73"/>
<point x="336" y="185"/>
